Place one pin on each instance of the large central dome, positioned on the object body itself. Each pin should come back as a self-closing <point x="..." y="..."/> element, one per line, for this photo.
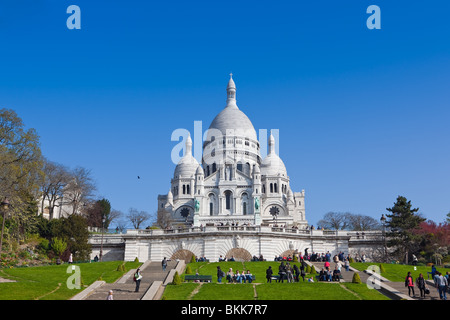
<point x="231" y="120"/>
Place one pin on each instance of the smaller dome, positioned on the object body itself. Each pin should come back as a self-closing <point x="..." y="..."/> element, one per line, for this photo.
<point x="188" y="165"/>
<point x="272" y="165"/>
<point x="199" y="171"/>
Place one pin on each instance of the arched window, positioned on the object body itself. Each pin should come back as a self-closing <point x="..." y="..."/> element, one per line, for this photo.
<point x="275" y="189"/>
<point x="214" y="168"/>
<point x="228" y="200"/>
<point x="271" y="188"/>
<point x="247" y="168"/>
<point x="211" y="204"/>
<point x="184" y="189"/>
<point x="244" y="200"/>
<point x="188" y="191"/>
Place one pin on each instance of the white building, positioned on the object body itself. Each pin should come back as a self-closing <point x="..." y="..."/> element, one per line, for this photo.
<point x="233" y="184"/>
<point x="233" y="204"/>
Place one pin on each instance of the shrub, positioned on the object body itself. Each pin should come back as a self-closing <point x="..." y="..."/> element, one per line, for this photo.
<point x="176" y="279"/>
<point x="313" y="270"/>
<point x="295" y="258"/>
<point x="308" y="269"/>
<point x="193" y="259"/>
<point x="356" y="278"/>
<point x="44" y="246"/>
<point x="382" y="269"/>
<point x="136" y="259"/>
<point x="188" y="270"/>
<point x="58" y="246"/>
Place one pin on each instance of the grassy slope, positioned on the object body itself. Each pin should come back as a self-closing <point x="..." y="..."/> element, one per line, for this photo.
<point x="50" y="282"/>
<point x="263" y="290"/>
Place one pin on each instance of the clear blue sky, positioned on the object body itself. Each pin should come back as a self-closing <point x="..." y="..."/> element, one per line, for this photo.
<point x="363" y="114"/>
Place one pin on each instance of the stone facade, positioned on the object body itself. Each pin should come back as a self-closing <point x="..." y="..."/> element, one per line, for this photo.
<point x="235" y="203"/>
<point x="242" y="243"/>
<point x="233" y="184"/>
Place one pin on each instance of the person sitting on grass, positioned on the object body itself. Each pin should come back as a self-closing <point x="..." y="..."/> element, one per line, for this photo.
<point x="329" y="275"/>
<point x="323" y="275"/>
<point x="248" y="277"/>
<point x="230" y="275"/>
<point x="237" y="277"/>
<point x="336" y="274"/>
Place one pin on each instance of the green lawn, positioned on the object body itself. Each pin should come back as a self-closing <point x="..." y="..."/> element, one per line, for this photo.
<point x="260" y="290"/>
<point x="50" y="282"/>
<point x="397" y="272"/>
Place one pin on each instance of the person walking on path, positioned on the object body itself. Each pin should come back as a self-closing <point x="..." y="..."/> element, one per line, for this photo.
<point x="137" y="279"/>
<point x="164" y="264"/>
<point x="420" y="282"/>
<point x="441" y="284"/>
<point x="410" y="284"/>
<point x="70" y="259"/>
<point x="110" y="295"/>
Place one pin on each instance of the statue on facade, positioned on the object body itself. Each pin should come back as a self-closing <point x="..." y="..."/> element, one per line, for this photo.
<point x="257" y="204"/>
<point x="196" y="205"/>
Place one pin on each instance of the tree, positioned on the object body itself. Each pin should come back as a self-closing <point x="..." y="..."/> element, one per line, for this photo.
<point x="20" y="169"/>
<point x="74" y="231"/>
<point x="435" y="239"/>
<point x="334" y="221"/>
<point x="359" y="222"/>
<point x="348" y="221"/>
<point x="401" y="225"/>
<point x="99" y="210"/>
<point x="163" y="219"/>
<point x="80" y="189"/>
<point x="137" y="217"/>
<point x="56" y="178"/>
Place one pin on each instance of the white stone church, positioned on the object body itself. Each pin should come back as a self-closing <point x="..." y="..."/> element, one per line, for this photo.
<point x="233" y="204"/>
<point x="233" y="184"/>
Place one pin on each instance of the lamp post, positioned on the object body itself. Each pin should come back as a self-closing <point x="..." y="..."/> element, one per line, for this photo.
<point x="4" y="206"/>
<point x="383" y="222"/>
<point x="101" y="246"/>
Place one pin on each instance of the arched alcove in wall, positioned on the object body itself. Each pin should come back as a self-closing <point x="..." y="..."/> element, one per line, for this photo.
<point x="182" y="254"/>
<point x="239" y="254"/>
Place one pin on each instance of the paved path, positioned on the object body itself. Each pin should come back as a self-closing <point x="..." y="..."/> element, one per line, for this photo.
<point x="124" y="288"/>
<point x="398" y="287"/>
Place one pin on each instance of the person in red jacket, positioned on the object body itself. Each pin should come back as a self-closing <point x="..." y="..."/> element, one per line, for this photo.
<point x="409" y="282"/>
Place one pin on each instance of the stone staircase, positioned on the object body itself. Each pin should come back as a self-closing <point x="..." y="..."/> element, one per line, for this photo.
<point x="124" y="288"/>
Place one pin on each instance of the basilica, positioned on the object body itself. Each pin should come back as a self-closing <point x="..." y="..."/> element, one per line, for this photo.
<point x="234" y="203"/>
<point x="233" y="185"/>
